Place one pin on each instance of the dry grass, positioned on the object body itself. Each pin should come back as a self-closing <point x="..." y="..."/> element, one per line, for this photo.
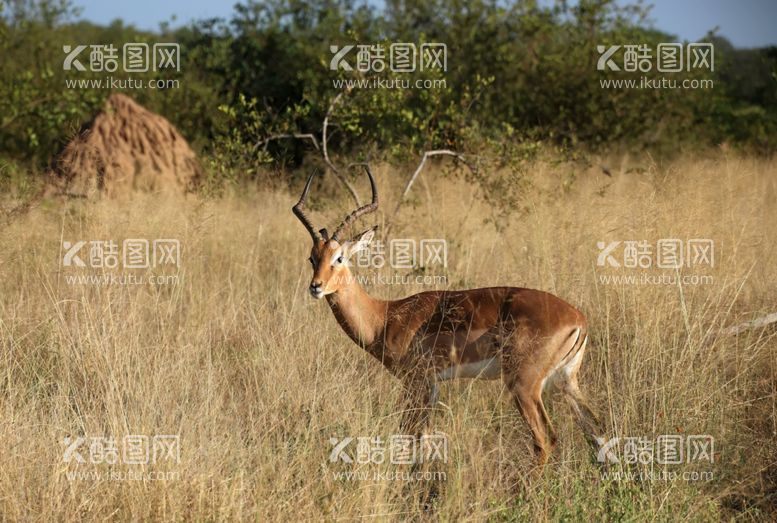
<point x="256" y="377"/>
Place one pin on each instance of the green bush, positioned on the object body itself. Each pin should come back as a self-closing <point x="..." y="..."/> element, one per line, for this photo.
<point x="517" y="71"/>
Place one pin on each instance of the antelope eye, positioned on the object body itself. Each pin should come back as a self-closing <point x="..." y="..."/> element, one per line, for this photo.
<point x="339" y="259"/>
<point x="312" y="261"/>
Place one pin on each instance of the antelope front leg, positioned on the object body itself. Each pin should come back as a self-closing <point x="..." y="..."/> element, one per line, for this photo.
<point x="420" y="395"/>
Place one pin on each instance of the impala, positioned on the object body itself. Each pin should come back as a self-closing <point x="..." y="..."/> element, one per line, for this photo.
<point x="527" y="337"/>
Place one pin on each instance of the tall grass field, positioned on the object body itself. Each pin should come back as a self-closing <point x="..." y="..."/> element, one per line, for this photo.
<point x="226" y="353"/>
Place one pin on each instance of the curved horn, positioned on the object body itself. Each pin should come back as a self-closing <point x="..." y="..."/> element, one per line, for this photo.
<point x="299" y="211"/>
<point x="364" y="209"/>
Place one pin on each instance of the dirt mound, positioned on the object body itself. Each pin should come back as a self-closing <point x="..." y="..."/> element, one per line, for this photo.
<point x="126" y="148"/>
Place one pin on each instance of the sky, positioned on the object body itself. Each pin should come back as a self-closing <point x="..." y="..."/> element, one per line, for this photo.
<point x="746" y="23"/>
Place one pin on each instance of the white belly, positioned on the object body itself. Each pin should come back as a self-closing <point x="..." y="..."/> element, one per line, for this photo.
<point x="489" y="369"/>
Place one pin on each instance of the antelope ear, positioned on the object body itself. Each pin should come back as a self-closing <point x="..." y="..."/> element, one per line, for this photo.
<point x="360" y="242"/>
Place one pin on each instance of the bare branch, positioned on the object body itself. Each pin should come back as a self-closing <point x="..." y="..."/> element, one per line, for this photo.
<point x="427" y="155"/>
<point x="325" y="127"/>
<point x="307" y="136"/>
<point x="325" y="149"/>
<point x="364" y="209"/>
<point x="753" y="324"/>
<point x="412" y="179"/>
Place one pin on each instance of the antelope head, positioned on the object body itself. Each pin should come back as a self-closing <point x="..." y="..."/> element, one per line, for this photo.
<point x="330" y="255"/>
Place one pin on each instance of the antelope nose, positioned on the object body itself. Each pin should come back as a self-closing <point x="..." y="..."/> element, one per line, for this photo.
<point x="315" y="287"/>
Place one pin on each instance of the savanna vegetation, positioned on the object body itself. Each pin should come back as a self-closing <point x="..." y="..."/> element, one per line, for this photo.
<point x="518" y="74"/>
<point x="227" y="350"/>
<point x="256" y="377"/>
